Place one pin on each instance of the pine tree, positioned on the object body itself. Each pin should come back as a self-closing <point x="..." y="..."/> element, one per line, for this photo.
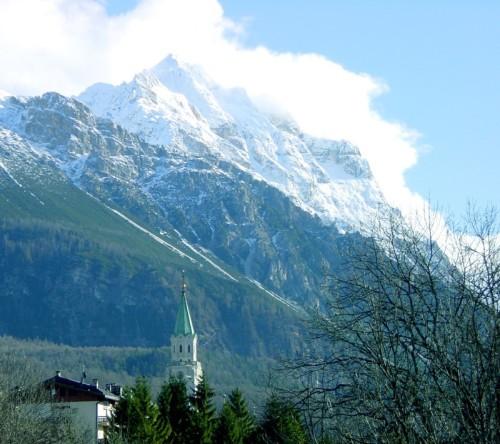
<point x="281" y="424"/>
<point x="174" y="409"/>
<point x="143" y="410"/>
<point x="121" y="420"/>
<point x="239" y="407"/>
<point x="228" y="429"/>
<point x="136" y="416"/>
<point x="204" y="419"/>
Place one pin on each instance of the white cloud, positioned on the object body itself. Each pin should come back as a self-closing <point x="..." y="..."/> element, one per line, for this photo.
<point x="66" y="45"/>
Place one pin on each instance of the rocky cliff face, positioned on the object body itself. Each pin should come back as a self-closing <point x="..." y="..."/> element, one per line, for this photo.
<point x="244" y="222"/>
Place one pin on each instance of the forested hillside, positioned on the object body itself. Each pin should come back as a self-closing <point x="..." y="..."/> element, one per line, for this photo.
<point x="75" y="272"/>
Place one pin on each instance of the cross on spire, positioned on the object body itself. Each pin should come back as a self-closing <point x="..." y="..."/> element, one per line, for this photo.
<point x="184" y="285"/>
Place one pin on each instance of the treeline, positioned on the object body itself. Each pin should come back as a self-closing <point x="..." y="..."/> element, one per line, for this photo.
<point x="88" y="280"/>
<point x="175" y="417"/>
<point x="123" y="364"/>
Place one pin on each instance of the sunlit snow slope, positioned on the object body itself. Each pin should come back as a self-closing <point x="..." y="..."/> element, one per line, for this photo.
<point x="175" y="104"/>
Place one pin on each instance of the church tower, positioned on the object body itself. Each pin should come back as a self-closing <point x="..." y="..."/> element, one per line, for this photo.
<point x="184" y="345"/>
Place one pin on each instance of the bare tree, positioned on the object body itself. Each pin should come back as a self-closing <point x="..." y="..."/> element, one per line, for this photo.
<point x="409" y="338"/>
<point x="27" y="414"/>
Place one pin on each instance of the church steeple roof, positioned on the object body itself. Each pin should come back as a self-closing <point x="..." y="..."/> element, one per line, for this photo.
<point x="183" y="322"/>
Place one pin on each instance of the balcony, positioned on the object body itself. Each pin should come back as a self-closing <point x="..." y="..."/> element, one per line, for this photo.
<point x="103" y="421"/>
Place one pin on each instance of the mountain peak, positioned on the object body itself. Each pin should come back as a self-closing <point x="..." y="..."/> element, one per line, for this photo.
<point x="193" y="83"/>
<point x="172" y="62"/>
<point x="177" y="104"/>
<point x="172" y="66"/>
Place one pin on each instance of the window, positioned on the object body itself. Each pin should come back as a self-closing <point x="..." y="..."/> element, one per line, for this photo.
<point x="180" y="348"/>
<point x="189" y="349"/>
<point x="173" y="348"/>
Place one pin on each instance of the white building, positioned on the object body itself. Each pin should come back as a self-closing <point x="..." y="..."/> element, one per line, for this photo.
<point x="90" y="405"/>
<point x="184" y="345"/>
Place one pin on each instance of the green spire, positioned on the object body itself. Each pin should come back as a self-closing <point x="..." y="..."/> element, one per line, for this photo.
<point x="183" y="322"/>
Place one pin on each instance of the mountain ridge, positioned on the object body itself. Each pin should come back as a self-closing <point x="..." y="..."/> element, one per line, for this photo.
<point x="324" y="177"/>
<point x="243" y="221"/>
<point x="197" y="193"/>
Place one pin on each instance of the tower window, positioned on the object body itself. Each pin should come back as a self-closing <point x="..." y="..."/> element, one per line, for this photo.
<point x="180" y="348"/>
<point x="173" y="347"/>
<point x="189" y="349"/>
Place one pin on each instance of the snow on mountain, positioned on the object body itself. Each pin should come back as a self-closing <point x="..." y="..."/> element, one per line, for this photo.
<point x="192" y="84"/>
<point x="175" y="104"/>
<point x="205" y="203"/>
<point x="142" y="103"/>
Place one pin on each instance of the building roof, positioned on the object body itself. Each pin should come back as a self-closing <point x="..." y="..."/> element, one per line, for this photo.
<point x="77" y="386"/>
<point x="183" y="322"/>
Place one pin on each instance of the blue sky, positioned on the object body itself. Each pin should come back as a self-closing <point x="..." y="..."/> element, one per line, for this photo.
<point x="441" y="62"/>
<point x="439" y="59"/>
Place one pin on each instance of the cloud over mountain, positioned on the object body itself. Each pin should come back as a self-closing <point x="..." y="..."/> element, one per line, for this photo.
<point x="66" y="45"/>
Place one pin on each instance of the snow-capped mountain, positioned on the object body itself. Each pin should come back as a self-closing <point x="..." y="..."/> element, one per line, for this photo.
<point x="202" y="166"/>
<point x="223" y="211"/>
<point x="176" y="105"/>
<point x="69" y="251"/>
